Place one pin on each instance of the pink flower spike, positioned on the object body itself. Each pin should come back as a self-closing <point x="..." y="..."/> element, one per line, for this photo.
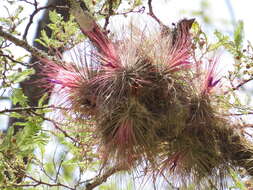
<point x="104" y="45"/>
<point x="179" y="52"/>
<point x="54" y="81"/>
<point x="92" y="30"/>
<point x="209" y="78"/>
<point x="57" y="74"/>
<point x="212" y="83"/>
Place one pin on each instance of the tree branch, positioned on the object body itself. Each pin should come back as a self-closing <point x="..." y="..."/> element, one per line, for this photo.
<point x="21" y="43"/>
<point x="101" y="179"/>
<point x="13" y="60"/>
<point x="56" y="126"/>
<point x="24" y="109"/>
<point x="110" y="13"/>
<point x="31" y="19"/>
<point x="151" y="13"/>
<point x="94" y="32"/>
<point x="239" y="85"/>
<point x="39" y="182"/>
<point x="83" y="17"/>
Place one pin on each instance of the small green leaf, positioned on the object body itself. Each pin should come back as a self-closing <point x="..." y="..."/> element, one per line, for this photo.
<point x="214" y="46"/>
<point x="196" y="28"/>
<point x="238" y="35"/>
<point x="43" y="100"/>
<point x="55" y="17"/>
<point x="46" y="40"/>
<point x="49" y="167"/>
<point x="20" y="76"/>
<point x="18" y="97"/>
<point x="41" y="42"/>
<point x="16" y="115"/>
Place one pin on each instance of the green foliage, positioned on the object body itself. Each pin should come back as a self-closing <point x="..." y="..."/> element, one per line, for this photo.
<point x="242" y="53"/>
<point x="238" y="35"/>
<point x="12" y="19"/>
<point x="20" y="76"/>
<point x="18" y="97"/>
<point x="234" y="46"/>
<point x="17" y="149"/>
<point x="224" y="40"/>
<point x="101" y="9"/>
<point x="64" y="34"/>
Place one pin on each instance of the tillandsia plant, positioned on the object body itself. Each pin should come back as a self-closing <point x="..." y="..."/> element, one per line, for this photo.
<point x="154" y="107"/>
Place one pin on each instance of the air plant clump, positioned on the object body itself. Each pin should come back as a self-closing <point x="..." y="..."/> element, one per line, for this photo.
<point x="150" y="104"/>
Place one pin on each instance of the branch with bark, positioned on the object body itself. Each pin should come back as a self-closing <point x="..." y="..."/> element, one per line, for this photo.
<point x="22" y="43"/>
<point x="26" y="109"/>
<point x="103" y="178"/>
<point x="151" y="13"/>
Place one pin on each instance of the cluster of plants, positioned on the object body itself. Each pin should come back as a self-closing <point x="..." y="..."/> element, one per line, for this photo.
<point x="149" y="102"/>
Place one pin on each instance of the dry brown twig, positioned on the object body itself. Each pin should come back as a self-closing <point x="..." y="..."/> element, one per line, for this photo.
<point x="152" y="14"/>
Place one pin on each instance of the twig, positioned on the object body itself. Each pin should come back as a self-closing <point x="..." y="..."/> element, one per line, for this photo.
<point x="151" y="13"/>
<point x="31" y="19"/>
<point x="239" y="85"/>
<point x="44" y="171"/>
<point x="59" y="128"/>
<point x="22" y="43"/>
<point x="12" y="59"/>
<point x="140" y="10"/>
<point x="25" y="109"/>
<point x="110" y="13"/>
<point x="27" y="2"/>
<point x="35" y="182"/>
<point x="4" y="98"/>
<point x="39" y="182"/>
<point x="58" y="170"/>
